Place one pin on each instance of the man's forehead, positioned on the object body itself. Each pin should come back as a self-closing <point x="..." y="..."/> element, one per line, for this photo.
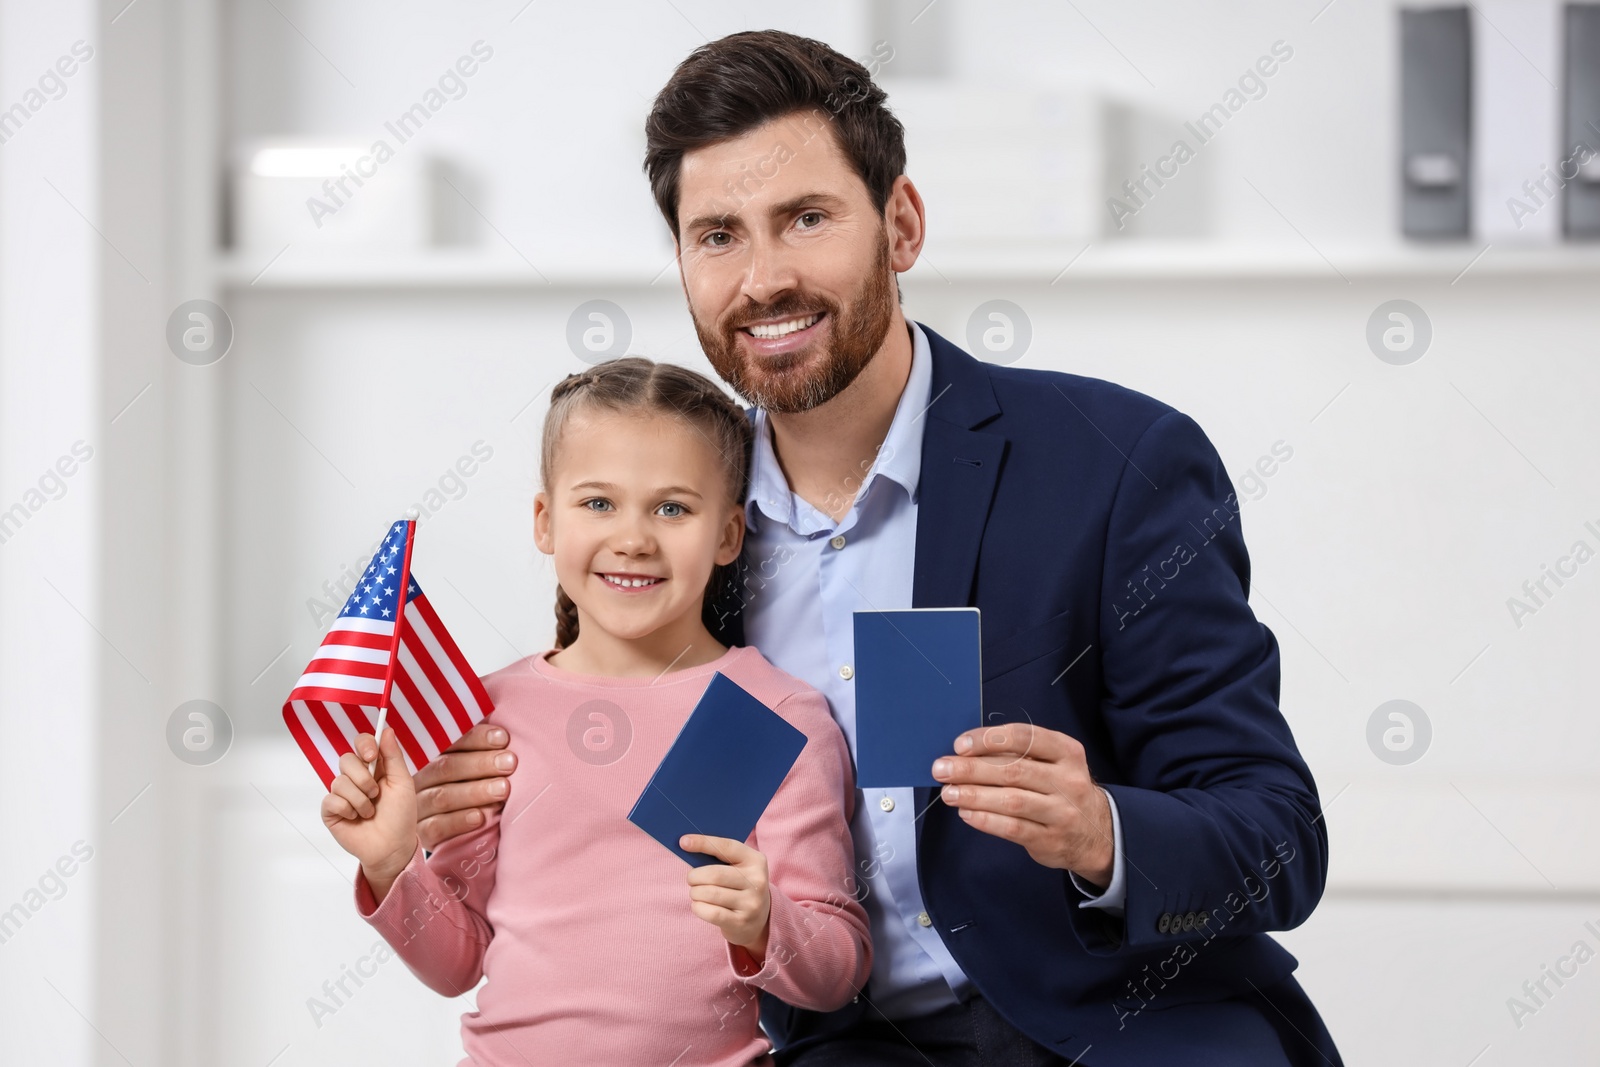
<point x="764" y="165"/>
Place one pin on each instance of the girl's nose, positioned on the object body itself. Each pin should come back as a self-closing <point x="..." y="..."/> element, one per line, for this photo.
<point x="635" y="540"/>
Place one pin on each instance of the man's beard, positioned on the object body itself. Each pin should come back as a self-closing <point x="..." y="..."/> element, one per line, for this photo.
<point x="778" y="383"/>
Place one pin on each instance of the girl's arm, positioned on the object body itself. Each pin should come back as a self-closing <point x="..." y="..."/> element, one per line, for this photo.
<point x="818" y="949"/>
<point x="434" y="913"/>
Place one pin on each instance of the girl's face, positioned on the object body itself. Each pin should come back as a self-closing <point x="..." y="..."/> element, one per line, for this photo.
<point x="636" y="499"/>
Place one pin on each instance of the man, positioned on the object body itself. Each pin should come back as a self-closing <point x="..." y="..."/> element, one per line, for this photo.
<point x="1093" y="883"/>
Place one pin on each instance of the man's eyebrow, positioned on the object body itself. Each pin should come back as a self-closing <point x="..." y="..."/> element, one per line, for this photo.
<point x="779" y="210"/>
<point x="795" y="203"/>
<point x="711" y="222"/>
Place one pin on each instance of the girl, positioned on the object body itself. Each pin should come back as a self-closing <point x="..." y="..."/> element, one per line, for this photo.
<point x="598" y="945"/>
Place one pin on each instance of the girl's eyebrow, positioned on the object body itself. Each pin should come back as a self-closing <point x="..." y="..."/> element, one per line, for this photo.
<point x="670" y="490"/>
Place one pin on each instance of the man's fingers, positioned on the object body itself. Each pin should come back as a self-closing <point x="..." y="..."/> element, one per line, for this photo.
<point x="1021" y="831"/>
<point x="482" y="736"/>
<point x="438" y="829"/>
<point x="1014" y="771"/>
<point x="1018" y="738"/>
<point x="444" y="799"/>
<point x="1020" y="803"/>
<point x="466" y="766"/>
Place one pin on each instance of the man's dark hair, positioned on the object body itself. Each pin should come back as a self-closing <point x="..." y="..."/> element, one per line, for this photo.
<point x="731" y="86"/>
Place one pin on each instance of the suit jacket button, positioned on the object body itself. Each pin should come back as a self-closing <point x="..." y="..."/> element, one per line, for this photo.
<point x="1201" y="918"/>
<point x="1188" y="922"/>
<point x="1165" y="924"/>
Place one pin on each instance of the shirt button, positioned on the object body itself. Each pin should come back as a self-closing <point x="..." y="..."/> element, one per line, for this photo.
<point x="924" y="919"/>
<point x="837" y="542"/>
<point x="886" y="803"/>
<point x="847" y="672"/>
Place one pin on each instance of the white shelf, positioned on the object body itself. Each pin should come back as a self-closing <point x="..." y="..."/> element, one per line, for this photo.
<point x="1102" y="261"/>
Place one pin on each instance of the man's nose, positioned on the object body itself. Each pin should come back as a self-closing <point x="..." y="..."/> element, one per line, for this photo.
<point x="771" y="271"/>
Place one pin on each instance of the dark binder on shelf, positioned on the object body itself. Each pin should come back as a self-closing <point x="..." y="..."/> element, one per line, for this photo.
<point x="1580" y="145"/>
<point x="919" y="684"/>
<point x="1435" y="122"/>
<point x="721" y="772"/>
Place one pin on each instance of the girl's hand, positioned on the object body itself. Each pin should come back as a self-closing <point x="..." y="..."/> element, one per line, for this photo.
<point x="733" y="896"/>
<point x="374" y="819"/>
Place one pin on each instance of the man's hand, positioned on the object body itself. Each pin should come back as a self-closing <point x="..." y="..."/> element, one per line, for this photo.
<point x="467" y="783"/>
<point x="731" y="895"/>
<point x="1032" y="786"/>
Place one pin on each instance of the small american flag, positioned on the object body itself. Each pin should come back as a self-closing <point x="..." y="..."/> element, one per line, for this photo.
<point x="385" y="651"/>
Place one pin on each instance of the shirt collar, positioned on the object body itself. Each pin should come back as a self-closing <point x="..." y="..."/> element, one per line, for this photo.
<point x="899" y="459"/>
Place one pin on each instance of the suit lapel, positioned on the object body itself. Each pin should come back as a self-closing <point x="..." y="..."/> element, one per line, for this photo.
<point x="960" y="467"/>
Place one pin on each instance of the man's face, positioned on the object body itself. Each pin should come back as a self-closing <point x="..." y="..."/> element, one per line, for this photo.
<point x="786" y="263"/>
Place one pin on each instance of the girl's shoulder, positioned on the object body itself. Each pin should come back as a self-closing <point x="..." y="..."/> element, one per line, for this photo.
<point x="800" y="701"/>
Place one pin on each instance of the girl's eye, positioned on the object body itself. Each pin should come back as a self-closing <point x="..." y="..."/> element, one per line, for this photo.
<point x="815" y="216"/>
<point x="596" y="500"/>
<point x="674" y="504"/>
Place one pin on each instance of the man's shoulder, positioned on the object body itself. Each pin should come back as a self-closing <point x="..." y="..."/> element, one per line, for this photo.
<point x="1060" y="407"/>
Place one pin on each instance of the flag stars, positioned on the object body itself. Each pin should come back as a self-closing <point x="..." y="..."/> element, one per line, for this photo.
<point x="386" y="613"/>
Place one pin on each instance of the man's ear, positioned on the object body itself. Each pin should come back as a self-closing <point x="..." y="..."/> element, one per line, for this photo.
<point x="541" y="524"/>
<point x="907" y="220"/>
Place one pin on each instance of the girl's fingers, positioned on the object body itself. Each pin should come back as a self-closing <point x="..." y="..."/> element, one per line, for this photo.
<point x="718" y="874"/>
<point x="337" y="807"/>
<point x="354" y="768"/>
<point x="345" y="788"/>
<point x="394" y="762"/>
<point x="711" y="913"/>
<point x="718" y="895"/>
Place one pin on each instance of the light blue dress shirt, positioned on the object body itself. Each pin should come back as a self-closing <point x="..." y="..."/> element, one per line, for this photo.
<point x="808" y="575"/>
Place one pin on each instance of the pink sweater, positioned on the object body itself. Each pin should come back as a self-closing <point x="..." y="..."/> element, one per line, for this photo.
<point x="582" y="922"/>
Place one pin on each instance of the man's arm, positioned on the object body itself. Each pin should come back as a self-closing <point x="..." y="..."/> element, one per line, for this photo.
<point x="1217" y="827"/>
<point x="1219" y="812"/>
<point x="458" y="791"/>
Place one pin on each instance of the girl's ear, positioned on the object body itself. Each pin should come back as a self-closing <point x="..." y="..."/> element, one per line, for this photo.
<point x="541" y="524"/>
<point x="732" y="536"/>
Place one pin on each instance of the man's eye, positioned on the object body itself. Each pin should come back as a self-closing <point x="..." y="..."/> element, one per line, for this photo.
<point x="718" y="239"/>
<point x="814" y="216"/>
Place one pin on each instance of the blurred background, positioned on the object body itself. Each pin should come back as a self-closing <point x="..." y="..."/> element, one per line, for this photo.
<point x="1369" y="275"/>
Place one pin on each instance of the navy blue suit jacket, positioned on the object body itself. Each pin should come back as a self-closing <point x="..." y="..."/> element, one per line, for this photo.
<point x="1098" y="533"/>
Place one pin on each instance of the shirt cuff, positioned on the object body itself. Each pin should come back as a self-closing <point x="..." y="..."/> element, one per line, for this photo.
<point x="1115" y="894"/>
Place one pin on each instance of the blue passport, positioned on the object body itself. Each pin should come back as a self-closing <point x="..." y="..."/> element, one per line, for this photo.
<point x="919" y="684"/>
<point x="721" y="772"/>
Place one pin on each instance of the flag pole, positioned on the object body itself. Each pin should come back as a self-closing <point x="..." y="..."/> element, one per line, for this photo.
<point x="410" y="526"/>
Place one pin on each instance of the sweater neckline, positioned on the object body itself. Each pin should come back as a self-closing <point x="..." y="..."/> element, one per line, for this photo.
<point x="544" y="668"/>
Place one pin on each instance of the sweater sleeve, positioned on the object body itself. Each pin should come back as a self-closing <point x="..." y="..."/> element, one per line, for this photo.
<point x="819" y="949"/>
<point x="434" y="914"/>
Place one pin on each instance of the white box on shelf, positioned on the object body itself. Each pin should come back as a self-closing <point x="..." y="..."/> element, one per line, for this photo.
<point x="332" y="192"/>
<point x="1000" y="166"/>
